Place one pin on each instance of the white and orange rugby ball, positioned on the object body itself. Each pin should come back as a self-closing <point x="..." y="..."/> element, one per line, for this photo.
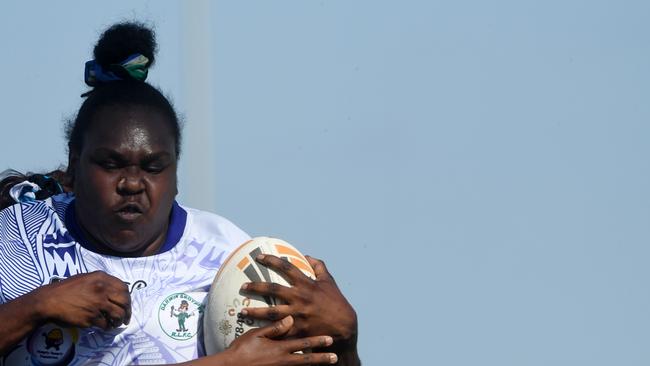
<point x="222" y="322"/>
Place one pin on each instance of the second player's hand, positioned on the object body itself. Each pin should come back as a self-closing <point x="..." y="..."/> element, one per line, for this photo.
<point x="317" y="305"/>
<point x="85" y="300"/>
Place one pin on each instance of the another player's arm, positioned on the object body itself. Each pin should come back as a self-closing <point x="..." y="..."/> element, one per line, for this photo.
<point x="84" y="300"/>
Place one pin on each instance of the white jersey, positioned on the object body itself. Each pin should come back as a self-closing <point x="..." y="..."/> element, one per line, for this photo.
<point x="39" y="244"/>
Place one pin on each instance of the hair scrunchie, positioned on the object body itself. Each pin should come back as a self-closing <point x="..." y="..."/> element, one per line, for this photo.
<point x="24" y="191"/>
<point x="134" y="67"/>
<point x="35" y="187"/>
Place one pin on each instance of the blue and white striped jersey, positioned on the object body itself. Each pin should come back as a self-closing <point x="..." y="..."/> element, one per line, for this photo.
<point x="38" y="245"/>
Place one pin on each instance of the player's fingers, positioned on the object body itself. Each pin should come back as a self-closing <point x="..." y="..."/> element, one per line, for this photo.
<point x="320" y="270"/>
<point x="114" y="315"/>
<point x="100" y="320"/>
<point x="284" y="268"/>
<point x="271" y="289"/>
<point x="312" y="359"/>
<point x="123" y="300"/>
<point x="277" y="328"/>
<point x="302" y="344"/>
<point x="114" y="290"/>
<point x="127" y="316"/>
<point x="268" y="313"/>
<point x="120" y="293"/>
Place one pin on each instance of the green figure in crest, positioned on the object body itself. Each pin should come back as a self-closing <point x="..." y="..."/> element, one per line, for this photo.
<point x="182" y="314"/>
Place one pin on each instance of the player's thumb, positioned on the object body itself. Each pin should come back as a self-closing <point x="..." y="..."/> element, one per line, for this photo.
<point x="278" y="328"/>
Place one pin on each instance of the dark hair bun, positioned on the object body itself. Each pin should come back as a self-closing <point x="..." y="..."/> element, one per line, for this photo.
<point x="123" y="40"/>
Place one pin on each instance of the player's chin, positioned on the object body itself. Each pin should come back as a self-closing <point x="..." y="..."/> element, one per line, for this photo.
<point x="128" y="241"/>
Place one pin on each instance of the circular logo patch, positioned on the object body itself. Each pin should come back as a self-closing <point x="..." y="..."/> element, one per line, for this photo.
<point x="178" y="316"/>
<point x="52" y="345"/>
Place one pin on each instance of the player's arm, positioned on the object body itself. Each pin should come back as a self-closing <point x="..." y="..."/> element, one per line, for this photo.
<point x="18" y="317"/>
<point x="262" y="347"/>
<point x="318" y="305"/>
<point x="85" y="300"/>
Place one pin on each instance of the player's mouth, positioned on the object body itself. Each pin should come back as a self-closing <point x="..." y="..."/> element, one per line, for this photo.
<point x="129" y="212"/>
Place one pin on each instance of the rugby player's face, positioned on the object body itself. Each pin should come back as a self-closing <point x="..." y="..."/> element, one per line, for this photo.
<point x="125" y="180"/>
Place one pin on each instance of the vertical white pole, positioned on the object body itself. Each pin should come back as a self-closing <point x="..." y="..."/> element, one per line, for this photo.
<point x="198" y="170"/>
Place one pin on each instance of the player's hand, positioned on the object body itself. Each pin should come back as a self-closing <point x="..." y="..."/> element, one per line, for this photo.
<point x="262" y="347"/>
<point x="317" y="305"/>
<point x="86" y="300"/>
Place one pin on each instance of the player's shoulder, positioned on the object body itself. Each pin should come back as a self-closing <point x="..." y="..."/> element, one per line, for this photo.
<point x="204" y="226"/>
<point x="30" y="217"/>
<point x="43" y="209"/>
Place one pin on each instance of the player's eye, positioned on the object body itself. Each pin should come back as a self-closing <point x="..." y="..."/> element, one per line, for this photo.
<point x="154" y="168"/>
<point x="109" y="164"/>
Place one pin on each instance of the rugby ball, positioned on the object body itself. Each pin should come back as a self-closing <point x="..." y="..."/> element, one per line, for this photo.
<point x="222" y="321"/>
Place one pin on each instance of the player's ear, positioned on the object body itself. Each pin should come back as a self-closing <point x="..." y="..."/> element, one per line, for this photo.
<point x="73" y="160"/>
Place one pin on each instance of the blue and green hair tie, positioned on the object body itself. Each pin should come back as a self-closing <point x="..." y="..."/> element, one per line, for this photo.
<point x="134" y="67"/>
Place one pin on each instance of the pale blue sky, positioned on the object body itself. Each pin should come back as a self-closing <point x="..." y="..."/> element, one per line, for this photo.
<point x="475" y="173"/>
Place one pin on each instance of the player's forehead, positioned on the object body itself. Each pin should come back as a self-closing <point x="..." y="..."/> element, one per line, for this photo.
<point x="130" y="129"/>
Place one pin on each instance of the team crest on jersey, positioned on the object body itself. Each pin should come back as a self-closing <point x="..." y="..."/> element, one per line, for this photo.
<point x="179" y="315"/>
